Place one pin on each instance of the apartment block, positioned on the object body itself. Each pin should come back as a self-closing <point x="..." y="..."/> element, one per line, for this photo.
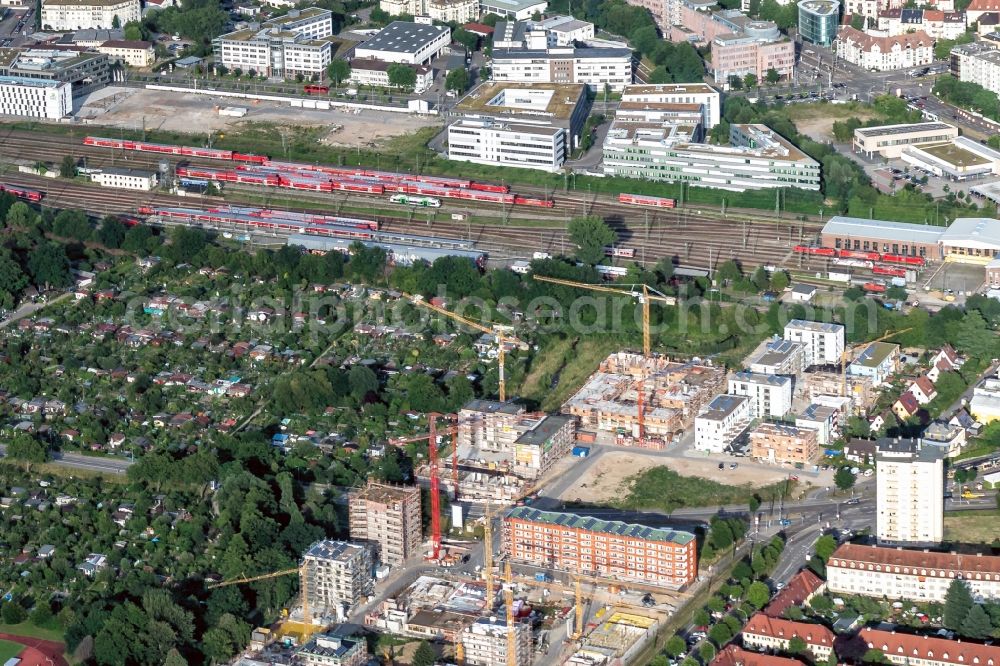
<point x="338" y="576"/>
<point x="909" y="493"/>
<point x="35" y="98"/>
<point x="902" y="649"/>
<point x="485" y="643"/>
<point x="879" y="360"/>
<point x="881" y="54"/>
<point x="664" y="12"/>
<point x="545" y="441"/>
<point x="936" y="23"/>
<point x="371" y="72"/>
<point x="910" y="574"/>
<point x="782" y="444"/>
<point x="722" y="424"/>
<point x="673" y="394"/>
<point x="67" y="15"/>
<point x="387" y="517"/>
<point x="763" y="633"/>
<point x="824" y="342"/>
<point x="824" y="419"/>
<point x="770" y="395"/>
<point x="332" y="650"/>
<point x="296" y="43"/>
<point x="458" y="11"/>
<point x="131" y="52"/>
<point x="590" y="546"/>
<point x="779" y="357"/>
<point x="978" y="62"/>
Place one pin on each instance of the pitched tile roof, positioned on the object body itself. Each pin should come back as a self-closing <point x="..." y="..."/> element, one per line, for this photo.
<point x="813" y="634"/>
<point x="801" y="587"/>
<point x="914" y="562"/>
<point x="885" y="44"/>
<point x="931" y="648"/>
<point x="909" y="403"/>
<point x="733" y="655"/>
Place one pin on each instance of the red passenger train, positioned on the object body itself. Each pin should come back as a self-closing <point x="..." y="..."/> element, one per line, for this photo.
<point x="865" y="255"/>
<point x="644" y="200"/>
<point x="22" y="192"/>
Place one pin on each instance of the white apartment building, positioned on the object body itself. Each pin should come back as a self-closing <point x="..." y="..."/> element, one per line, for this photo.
<point x="132" y="53"/>
<point x="701" y="94"/>
<point x="770" y="395"/>
<point x="881" y="54"/>
<point x="459" y="11"/>
<point x="978" y="63"/>
<point x="338" y="576"/>
<point x="937" y="24"/>
<point x="722" y="423"/>
<point x="485" y="643"/>
<point x="126" y="179"/>
<point x="909" y="493"/>
<point x="824" y="343"/>
<point x="495" y="141"/>
<point x="369" y="72"/>
<point x="406" y="43"/>
<point x="824" y="419"/>
<point x="296" y="43"/>
<point x="35" y="98"/>
<point x="910" y="574"/>
<point x="66" y="15"/>
<point x="779" y="357"/>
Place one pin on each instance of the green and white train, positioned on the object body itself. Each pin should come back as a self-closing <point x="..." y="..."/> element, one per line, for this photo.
<point x="407" y="200"/>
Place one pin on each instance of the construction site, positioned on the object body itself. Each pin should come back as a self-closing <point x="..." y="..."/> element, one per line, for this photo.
<point x="646" y="401"/>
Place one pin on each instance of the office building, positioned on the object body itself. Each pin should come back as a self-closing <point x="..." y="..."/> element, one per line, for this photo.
<point x="605" y="548"/>
<point x="297" y="43"/>
<point x="783" y="444"/>
<point x="882" y="54"/>
<point x="337" y="577"/>
<point x="485" y="643"/>
<point x="770" y="395"/>
<point x="565" y="30"/>
<point x="332" y="650"/>
<point x="757" y="50"/>
<point x="958" y="160"/>
<point x="879" y="360"/>
<point x="823" y="342"/>
<point x="68" y="15"/>
<point x="704" y="96"/>
<point x="909" y="493"/>
<point x="515" y="10"/>
<point x="818" y="21"/>
<point x="756" y="158"/>
<point x="370" y="72"/>
<point x="773" y="634"/>
<point x="915" y="575"/>
<point x="84" y="71"/>
<point x="533" y="126"/>
<point x="35" y="98"/>
<point x="890" y="140"/>
<point x="132" y="53"/>
<point x="126" y="179"/>
<point x="722" y="425"/>
<point x="387" y="517"/>
<point x="405" y="42"/>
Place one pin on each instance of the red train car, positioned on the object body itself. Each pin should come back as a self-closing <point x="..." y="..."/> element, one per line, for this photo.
<point x="310" y="185"/>
<point x="22" y="192"/>
<point x="856" y="254"/>
<point x="489" y="187"/>
<point x="887" y="270"/>
<point x="528" y="201"/>
<point x="873" y="287"/>
<point x="903" y="259"/>
<point x="818" y="251"/>
<point x="316" y="90"/>
<point x="250" y="159"/>
<point x="643" y="200"/>
<point x="355" y="186"/>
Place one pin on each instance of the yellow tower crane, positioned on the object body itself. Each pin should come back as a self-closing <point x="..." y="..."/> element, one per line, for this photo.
<point x="502" y="337"/>
<point x="643" y="293"/>
<point x="302" y="571"/>
<point x="849" y="351"/>
<point x="509" y="603"/>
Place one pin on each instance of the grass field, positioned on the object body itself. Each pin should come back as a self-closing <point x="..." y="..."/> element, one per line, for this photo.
<point x="9" y="649"/>
<point x="662" y="488"/>
<point x="971" y="526"/>
<point x="31" y="631"/>
<point x="572" y="361"/>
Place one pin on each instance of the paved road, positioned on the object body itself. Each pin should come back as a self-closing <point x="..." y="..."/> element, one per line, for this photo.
<point x="107" y="465"/>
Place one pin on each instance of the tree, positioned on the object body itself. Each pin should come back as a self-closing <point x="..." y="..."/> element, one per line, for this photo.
<point x="457" y="80"/>
<point x="758" y="594"/>
<point x="977" y="624"/>
<point x="591" y="235"/>
<point x="338" y="71"/>
<point x="116" y="23"/>
<point x="750" y="81"/>
<point x="362" y="381"/>
<point x="873" y="656"/>
<point x="49" y="266"/>
<point x="27" y="448"/>
<point x="401" y="76"/>
<point x="467" y="39"/>
<point x="424" y="655"/>
<point x="825" y="546"/>
<point x="772" y="76"/>
<point x="957" y="604"/>
<point x="701" y="618"/>
<point x="12" y="613"/>
<point x="19" y="215"/>
<point x="796" y="645"/>
<point x="729" y="271"/>
<point x="67" y="169"/>
<point x="706" y="652"/>
<point x="843" y="478"/>
<point x="111" y="233"/>
<point x="779" y="280"/>
<point x="735" y="82"/>
<point x="675" y="646"/>
<point x="133" y="32"/>
<point x="720" y="634"/>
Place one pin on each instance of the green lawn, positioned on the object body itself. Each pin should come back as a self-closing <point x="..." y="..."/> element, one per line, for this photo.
<point x="31" y="631"/>
<point x="971" y="526"/>
<point x="9" y="649"/>
<point x="662" y="488"/>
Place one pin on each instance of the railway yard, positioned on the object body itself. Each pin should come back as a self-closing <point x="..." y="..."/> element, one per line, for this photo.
<point x="695" y="238"/>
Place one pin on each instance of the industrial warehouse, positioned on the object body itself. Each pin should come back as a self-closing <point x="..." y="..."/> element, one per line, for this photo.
<point x="968" y="239"/>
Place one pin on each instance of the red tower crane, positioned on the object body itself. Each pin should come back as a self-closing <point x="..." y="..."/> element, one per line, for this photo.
<point x="435" y="487"/>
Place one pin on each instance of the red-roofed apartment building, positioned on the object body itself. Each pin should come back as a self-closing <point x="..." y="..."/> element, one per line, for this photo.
<point x="915" y="575"/>
<point x="733" y="655"/>
<point x="800" y="589"/>
<point x="771" y="633"/>
<point x="979" y="7"/>
<point x="927" y="650"/>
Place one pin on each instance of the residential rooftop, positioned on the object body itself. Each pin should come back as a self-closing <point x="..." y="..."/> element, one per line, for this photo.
<point x="894" y="449"/>
<point x="589" y="524"/>
<point x="340" y="551"/>
<point x="545" y="429"/>
<point x="722" y="406"/>
<point x="815" y="326"/>
<point x="875" y="354"/>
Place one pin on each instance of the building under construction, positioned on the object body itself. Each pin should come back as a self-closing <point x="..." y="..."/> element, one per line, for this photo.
<point x="860" y="389"/>
<point x="485" y="643"/>
<point x="387" y="517"/>
<point x="336" y="576"/>
<point x="669" y="394"/>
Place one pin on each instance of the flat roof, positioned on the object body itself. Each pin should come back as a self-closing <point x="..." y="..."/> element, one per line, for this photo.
<point x="892" y="449"/>
<point x="722" y="406"/>
<point x="952" y="154"/>
<point x="669" y="88"/>
<point x="973" y="232"/>
<point x="883" y="230"/>
<point x="562" y="103"/>
<point x="403" y="37"/>
<point x="30" y="82"/>
<point x="821" y="7"/>
<point x="124" y="171"/>
<point x="875" y="353"/>
<point x="544" y="430"/>
<point x="817" y="326"/>
<point x="761" y="378"/>
<point x="563" y="53"/>
<point x="906" y="128"/>
<point x="616" y="527"/>
<point x="513" y="5"/>
<point x="342" y="551"/>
